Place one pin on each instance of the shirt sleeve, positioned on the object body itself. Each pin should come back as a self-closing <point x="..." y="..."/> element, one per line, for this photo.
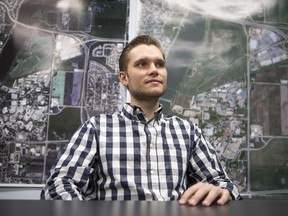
<point x="205" y="165"/>
<point x="71" y="178"/>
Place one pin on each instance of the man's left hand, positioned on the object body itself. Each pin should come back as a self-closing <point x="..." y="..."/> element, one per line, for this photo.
<point x="205" y="193"/>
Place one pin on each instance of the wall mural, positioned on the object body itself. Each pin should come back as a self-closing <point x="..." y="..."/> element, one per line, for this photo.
<point x="227" y="71"/>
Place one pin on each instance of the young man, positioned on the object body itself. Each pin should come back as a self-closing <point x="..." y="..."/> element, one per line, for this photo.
<point x="138" y="153"/>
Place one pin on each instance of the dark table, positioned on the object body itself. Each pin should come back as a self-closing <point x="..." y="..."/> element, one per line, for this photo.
<point x="140" y="208"/>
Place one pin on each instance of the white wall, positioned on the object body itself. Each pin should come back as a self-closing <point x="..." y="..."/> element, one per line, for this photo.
<point x="20" y="193"/>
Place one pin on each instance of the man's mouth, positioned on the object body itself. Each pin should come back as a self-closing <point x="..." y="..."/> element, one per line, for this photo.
<point x="154" y="81"/>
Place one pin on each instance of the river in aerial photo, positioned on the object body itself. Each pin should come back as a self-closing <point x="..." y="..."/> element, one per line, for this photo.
<point x="181" y="53"/>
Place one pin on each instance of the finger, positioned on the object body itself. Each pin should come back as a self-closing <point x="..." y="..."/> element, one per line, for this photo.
<point x="205" y="194"/>
<point x="221" y="196"/>
<point x="214" y="194"/>
<point x="200" y="193"/>
<point x="226" y="197"/>
<point x="189" y="193"/>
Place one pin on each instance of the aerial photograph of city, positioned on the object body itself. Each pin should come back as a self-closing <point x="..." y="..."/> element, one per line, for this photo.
<point x="227" y="64"/>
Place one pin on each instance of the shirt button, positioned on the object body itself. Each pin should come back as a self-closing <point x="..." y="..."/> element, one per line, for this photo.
<point x="152" y="145"/>
<point x="152" y="171"/>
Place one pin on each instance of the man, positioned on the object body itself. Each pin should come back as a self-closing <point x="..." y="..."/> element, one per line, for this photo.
<point x="138" y="153"/>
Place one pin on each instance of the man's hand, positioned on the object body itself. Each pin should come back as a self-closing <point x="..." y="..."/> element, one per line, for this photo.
<point x="207" y="193"/>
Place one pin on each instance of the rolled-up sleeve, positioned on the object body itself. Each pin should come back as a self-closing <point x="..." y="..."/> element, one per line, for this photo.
<point x="72" y="176"/>
<point x="205" y="165"/>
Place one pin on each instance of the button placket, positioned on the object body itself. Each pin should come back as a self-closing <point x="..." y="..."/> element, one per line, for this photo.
<point x="153" y="155"/>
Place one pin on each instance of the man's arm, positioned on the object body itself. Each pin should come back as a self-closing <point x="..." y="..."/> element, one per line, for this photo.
<point x="71" y="176"/>
<point x="213" y="184"/>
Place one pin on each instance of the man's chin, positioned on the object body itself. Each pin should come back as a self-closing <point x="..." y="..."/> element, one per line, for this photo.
<point x="156" y="93"/>
<point x="149" y="96"/>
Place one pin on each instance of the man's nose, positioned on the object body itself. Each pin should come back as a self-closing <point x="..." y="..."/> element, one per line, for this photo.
<point x="153" y="69"/>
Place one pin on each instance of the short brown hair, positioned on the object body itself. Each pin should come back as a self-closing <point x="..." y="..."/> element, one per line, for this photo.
<point x="139" y="40"/>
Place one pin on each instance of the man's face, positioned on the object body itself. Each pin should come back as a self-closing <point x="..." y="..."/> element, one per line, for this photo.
<point x="146" y="75"/>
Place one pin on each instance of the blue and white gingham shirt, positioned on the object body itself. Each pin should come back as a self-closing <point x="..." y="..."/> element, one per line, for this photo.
<point x="125" y="157"/>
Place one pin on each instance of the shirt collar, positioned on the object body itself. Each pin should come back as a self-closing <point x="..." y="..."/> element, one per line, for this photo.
<point x="136" y="113"/>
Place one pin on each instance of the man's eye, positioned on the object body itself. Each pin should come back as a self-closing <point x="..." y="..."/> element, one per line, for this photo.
<point x="142" y="64"/>
<point x="160" y="64"/>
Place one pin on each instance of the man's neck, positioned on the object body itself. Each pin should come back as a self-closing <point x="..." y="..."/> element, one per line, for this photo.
<point x="149" y="107"/>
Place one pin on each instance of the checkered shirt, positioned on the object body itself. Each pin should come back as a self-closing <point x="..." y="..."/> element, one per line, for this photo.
<point x="125" y="157"/>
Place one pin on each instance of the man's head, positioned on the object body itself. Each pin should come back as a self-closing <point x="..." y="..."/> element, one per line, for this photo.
<point x="143" y="70"/>
<point x="142" y="39"/>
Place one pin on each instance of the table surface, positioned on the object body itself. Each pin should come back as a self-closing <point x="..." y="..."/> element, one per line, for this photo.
<point x="140" y="208"/>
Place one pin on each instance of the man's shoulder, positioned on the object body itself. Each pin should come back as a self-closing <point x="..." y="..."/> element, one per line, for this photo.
<point x="174" y="118"/>
<point x="104" y="116"/>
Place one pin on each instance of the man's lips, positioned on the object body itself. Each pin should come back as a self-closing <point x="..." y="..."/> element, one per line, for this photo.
<point x="154" y="81"/>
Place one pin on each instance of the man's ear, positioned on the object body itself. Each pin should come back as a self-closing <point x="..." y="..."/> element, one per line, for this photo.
<point x="123" y="78"/>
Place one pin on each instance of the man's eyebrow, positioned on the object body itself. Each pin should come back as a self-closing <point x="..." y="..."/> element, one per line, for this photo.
<point x="150" y="59"/>
<point x="141" y="59"/>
